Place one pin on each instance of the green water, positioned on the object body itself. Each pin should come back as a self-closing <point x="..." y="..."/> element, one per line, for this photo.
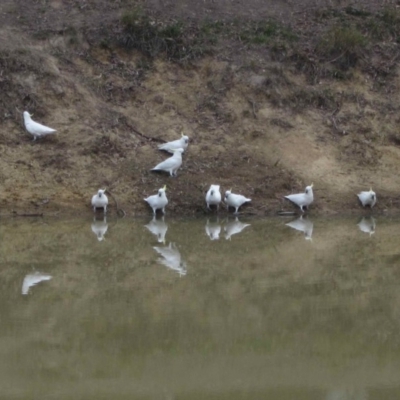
<point x="164" y="312"/>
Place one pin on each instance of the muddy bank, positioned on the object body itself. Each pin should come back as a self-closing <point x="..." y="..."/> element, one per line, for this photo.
<point x="270" y="104"/>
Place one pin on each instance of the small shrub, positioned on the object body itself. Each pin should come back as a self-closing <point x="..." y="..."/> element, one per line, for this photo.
<point x="343" y="45"/>
<point x="211" y="30"/>
<point x="356" y="12"/>
<point x="385" y="25"/>
<point x="301" y="99"/>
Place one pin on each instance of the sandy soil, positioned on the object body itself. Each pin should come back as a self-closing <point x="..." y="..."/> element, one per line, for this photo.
<point x="244" y="111"/>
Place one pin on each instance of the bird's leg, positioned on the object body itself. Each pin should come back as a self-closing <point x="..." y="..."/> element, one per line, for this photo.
<point x="105" y="209"/>
<point x="208" y="206"/>
<point x="154" y="212"/>
<point x="236" y="210"/>
<point x="163" y="210"/>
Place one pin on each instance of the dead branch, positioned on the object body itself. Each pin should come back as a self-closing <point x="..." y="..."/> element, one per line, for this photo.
<point x="119" y="210"/>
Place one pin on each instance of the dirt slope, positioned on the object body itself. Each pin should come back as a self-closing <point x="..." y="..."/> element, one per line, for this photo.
<point x="265" y="117"/>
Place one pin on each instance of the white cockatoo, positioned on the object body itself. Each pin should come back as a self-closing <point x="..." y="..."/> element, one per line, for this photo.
<point x="99" y="228"/>
<point x="32" y="280"/>
<point x="158" y="201"/>
<point x="234" y="200"/>
<point x="302" y="199"/>
<point x="158" y="228"/>
<point x="213" y="196"/>
<point x="181" y="143"/>
<point x="234" y="227"/>
<point x="171" y="164"/>
<point x="171" y="258"/>
<point x="367" y="198"/>
<point x="34" y="128"/>
<point x="302" y="225"/>
<point x="100" y="200"/>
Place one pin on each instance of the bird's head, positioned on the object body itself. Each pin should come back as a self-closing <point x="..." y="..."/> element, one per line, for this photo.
<point x="309" y="189"/>
<point x="184" y="138"/>
<point x="161" y="191"/>
<point x="27" y="115"/>
<point x="101" y="192"/>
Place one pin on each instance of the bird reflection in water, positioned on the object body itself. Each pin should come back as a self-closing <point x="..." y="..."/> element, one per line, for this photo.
<point x="32" y="280"/>
<point x="234" y="227"/>
<point x="99" y="228"/>
<point x="213" y="230"/>
<point x="171" y="258"/>
<point x="303" y="225"/>
<point x="158" y="228"/>
<point x="367" y="225"/>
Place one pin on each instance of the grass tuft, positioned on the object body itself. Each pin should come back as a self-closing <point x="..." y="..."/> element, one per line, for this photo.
<point x="343" y="45"/>
<point x="264" y="32"/>
<point x="385" y="26"/>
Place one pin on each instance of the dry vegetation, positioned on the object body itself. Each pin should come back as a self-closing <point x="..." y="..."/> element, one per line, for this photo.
<point x="273" y="97"/>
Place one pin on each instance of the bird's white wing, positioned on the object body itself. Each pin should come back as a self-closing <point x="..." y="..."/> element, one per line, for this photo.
<point x="151" y="199"/>
<point x="296" y="198"/>
<point x="40" y="129"/>
<point x="239" y="199"/>
<point x="169" y="163"/>
<point x="175" y="144"/>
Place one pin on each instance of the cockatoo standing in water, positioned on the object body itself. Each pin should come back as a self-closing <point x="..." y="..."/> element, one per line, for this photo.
<point x="158" y="201"/>
<point x="302" y="199"/>
<point x="100" y="200"/>
<point x="213" y="196"/>
<point x="234" y="200"/>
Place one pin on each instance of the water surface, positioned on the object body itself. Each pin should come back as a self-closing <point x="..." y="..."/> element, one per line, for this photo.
<point x="280" y="308"/>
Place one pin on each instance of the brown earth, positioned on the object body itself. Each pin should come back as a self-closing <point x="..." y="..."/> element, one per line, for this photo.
<point x="265" y="119"/>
